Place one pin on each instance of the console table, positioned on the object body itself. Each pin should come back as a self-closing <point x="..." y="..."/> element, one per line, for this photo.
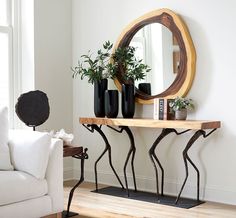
<point x="168" y="126"/>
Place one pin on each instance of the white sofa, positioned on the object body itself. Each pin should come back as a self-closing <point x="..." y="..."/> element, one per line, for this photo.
<point x="35" y="188"/>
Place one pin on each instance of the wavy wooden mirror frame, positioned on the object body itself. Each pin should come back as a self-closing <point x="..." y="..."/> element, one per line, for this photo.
<point x="187" y="65"/>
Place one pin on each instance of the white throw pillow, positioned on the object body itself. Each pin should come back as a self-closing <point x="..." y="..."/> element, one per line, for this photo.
<point x="30" y="151"/>
<point x="5" y="163"/>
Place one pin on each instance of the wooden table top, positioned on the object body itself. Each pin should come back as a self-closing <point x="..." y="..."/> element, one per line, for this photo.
<point x="69" y="150"/>
<point x="181" y="124"/>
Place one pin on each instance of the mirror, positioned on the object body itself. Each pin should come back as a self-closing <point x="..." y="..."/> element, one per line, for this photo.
<point x="157" y="47"/>
<point x="162" y="41"/>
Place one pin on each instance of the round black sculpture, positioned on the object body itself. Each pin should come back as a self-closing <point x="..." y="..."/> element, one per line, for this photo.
<point x="33" y="108"/>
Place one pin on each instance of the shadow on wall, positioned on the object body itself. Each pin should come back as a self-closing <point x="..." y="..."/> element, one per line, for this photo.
<point x="220" y="146"/>
<point x="204" y="62"/>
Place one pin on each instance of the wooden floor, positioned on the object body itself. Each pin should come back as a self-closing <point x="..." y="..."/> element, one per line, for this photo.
<point x="89" y="204"/>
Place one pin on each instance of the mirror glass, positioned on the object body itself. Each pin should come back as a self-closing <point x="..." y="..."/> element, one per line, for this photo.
<point x="158" y="48"/>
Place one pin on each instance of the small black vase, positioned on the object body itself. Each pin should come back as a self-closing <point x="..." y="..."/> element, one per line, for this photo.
<point x="111" y="103"/>
<point x="128" y="100"/>
<point x="145" y="88"/>
<point x="99" y="89"/>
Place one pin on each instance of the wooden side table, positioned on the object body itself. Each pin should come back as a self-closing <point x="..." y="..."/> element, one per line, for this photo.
<point x="78" y="153"/>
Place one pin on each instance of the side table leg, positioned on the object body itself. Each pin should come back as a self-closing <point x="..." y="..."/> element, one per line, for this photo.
<point x="82" y="158"/>
<point x="73" y="189"/>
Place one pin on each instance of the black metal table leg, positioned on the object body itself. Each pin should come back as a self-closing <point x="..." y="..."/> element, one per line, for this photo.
<point x="82" y="157"/>
<point x="131" y="151"/>
<point x="187" y="159"/>
<point x="95" y="167"/>
<point x="107" y="149"/>
<point x="153" y="156"/>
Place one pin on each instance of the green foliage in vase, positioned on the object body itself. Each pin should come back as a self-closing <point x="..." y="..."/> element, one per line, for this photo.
<point x="131" y="68"/>
<point x="98" y="68"/>
<point x="181" y="103"/>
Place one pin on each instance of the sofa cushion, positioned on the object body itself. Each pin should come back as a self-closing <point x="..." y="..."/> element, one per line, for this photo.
<point x="5" y="163"/>
<point x="16" y="186"/>
<point x="30" y="151"/>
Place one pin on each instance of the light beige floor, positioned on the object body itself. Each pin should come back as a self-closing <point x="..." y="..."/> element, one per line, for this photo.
<point x="89" y="204"/>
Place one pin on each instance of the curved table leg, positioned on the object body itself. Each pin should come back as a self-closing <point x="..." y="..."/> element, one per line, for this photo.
<point x="153" y="156"/>
<point x="187" y="159"/>
<point x="82" y="157"/>
<point x="107" y="148"/>
<point x="95" y="167"/>
<point x="132" y="151"/>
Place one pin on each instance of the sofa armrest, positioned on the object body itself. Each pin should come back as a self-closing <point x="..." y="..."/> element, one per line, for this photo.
<point x="29" y="151"/>
<point x="54" y="175"/>
<point x="40" y="155"/>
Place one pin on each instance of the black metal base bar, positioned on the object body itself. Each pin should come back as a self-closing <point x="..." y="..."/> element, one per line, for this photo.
<point x="82" y="157"/>
<point x="187" y="159"/>
<point x="91" y="128"/>
<point x="154" y="158"/>
<point x="70" y="214"/>
<point x="150" y="197"/>
<point x="131" y="151"/>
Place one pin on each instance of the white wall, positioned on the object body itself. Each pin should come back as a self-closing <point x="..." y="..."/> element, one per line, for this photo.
<point x="53" y="59"/>
<point x="53" y="50"/>
<point x="27" y="45"/>
<point x="211" y="24"/>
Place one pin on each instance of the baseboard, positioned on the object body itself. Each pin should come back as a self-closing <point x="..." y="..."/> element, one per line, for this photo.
<point x="68" y="173"/>
<point x="214" y="194"/>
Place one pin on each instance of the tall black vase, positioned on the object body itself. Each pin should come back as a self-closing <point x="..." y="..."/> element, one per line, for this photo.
<point x="128" y="100"/>
<point x="111" y="103"/>
<point x="99" y="105"/>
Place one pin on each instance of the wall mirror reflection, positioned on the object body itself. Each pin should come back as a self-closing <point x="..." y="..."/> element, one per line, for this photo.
<point x="157" y="47"/>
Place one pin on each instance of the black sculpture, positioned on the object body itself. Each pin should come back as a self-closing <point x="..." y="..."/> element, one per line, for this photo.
<point x="33" y="108"/>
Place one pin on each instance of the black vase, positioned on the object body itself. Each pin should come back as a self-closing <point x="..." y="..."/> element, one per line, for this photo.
<point x="111" y="103"/>
<point x="145" y="88"/>
<point x="99" y="105"/>
<point x="128" y="100"/>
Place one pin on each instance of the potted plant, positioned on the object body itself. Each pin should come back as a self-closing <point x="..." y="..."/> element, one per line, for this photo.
<point x="131" y="68"/>
<point x="97" y="69"/>
<point x="180" y="106"/>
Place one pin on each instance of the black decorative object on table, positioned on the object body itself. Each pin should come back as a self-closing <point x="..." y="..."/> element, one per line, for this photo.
<point x="111" y="103"/>
<point x="99" y="103"/>
<point x="97" y="69"/>
<point x="128" y="100"/>
<point x="145" y="88"/>
<point x="32" y="108"/>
